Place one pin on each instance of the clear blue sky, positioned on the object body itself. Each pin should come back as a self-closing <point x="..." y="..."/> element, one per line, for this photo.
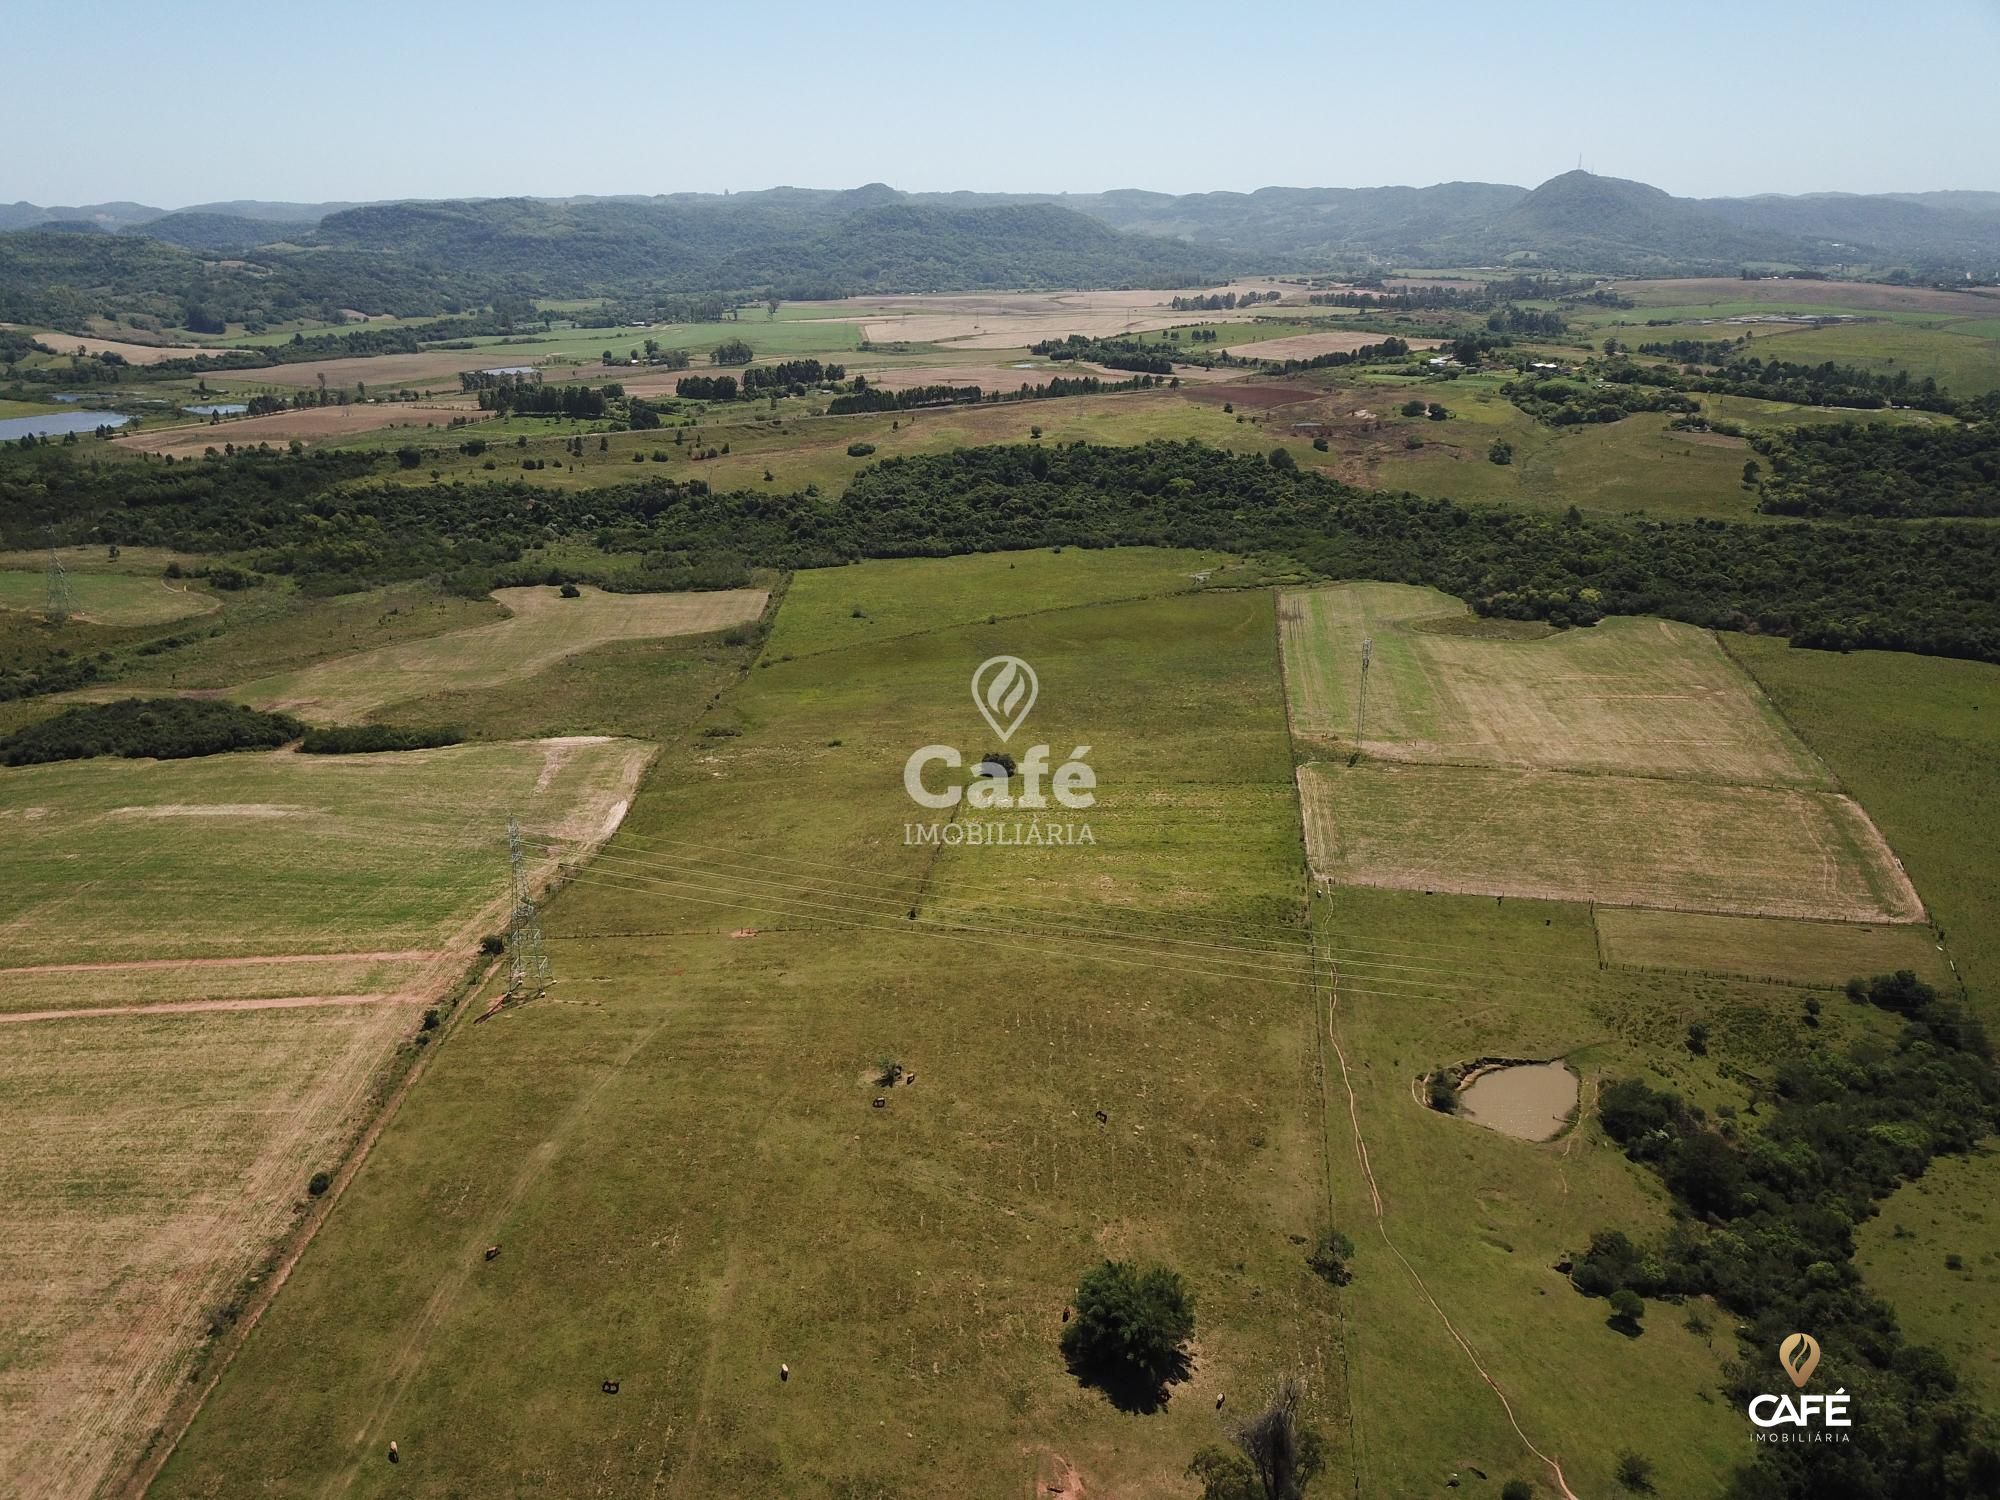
<point x="180" y="103"/>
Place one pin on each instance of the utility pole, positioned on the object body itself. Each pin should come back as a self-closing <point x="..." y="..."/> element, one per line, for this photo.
<point x="527" y="960"/>
<point x="62" y="598"/>
<point x="1361" y="697"/>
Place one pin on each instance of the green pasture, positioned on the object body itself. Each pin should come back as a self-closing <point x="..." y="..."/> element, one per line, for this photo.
<point x="107" y="598"/>
<point x="729" y="976"/>
<point x="832" y="609"/>
<point x="1917" y="740"/>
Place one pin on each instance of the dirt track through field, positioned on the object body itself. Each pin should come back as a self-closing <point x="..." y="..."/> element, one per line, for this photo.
<point x="389" y="955"/>
<point x="1382" y="1228"/>
<point x="189" y="1007"/>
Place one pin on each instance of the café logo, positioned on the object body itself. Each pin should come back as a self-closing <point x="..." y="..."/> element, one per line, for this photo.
<point x="1807" y="1416"/>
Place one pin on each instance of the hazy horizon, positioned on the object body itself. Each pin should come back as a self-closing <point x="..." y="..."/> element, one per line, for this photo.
<point x="392" y="103"/>
<point x="855" y="186"/>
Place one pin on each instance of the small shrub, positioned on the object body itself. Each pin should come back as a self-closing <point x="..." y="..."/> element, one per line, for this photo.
<point x="570" y="591"/>
<point x="492" y="943"/>
<point x="1635" y="1472"/>
<point x="1517" y="1489"/>
<point x="320" y="1182"/>
<point x="1330" y="1258"/>
<point x="860" y="450"/>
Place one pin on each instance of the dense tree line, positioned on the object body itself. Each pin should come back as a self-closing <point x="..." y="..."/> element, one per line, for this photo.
<point x="706" y="388"/>
<point x="159" y="728"/>
<point x="1825" y="384"/>
<point x="1563" y="402"/>
<point x="579" y="403"/>
<point x="367" y="739"/>
<point x="1933" y="588"/>
<point x="874" y="398"/>
<point x="1222" y="301"/>
<point x="1766" y="1227"/>
<point x="789" y="376"/>
<point x="1881" y="469"/>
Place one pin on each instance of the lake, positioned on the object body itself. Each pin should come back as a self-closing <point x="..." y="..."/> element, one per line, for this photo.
<point x="56" y="423"/>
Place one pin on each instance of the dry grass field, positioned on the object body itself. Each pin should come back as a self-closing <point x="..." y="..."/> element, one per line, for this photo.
<point x="1634" y="696"/>
<point x="90" y="343"/>
<point x="316" y="424"/>
<point x="1616" y="840"/>
<point x="1861" y="296"/>
<point x="210" y="965"/>
<point x="1306" y="345"/>
<point x="1796" y="952"/>
<point x="542" y="628"/>
<point x="147" y="1164"/>
<point x="1631" y="763"/>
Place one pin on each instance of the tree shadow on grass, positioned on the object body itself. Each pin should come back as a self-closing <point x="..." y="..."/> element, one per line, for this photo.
<point x="1129" y="1387"/>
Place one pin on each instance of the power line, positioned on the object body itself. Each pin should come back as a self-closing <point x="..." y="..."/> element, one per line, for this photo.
<point x="62" y="596"/>
<point x="527" y="959"/>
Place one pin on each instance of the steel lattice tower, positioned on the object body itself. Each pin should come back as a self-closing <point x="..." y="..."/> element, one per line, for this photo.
<point x="62" y="597"/>
<point x="528" y="961"/>
<point x="1361" y="696"/>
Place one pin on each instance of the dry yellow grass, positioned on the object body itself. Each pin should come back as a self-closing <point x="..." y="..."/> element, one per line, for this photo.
<point x="313" y="425"/>
<point x="278" y="921"/>
<point x="1306" y="345"/>
<point x="145" y="1164"/>
<point x="542" y="628"/>
<point x="1767" y="947"/>
<point x="1628" y="695"/>
<point x="90" y="343"/>
<point x="1616" y="840"/>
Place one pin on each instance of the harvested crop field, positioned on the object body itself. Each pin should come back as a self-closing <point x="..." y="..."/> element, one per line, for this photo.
<point x="90" y="343"/>
<point x="1862" y="296"/>
<point x="1816" y="953"/>
<point x="1641" y="696"/>
<point x="430" y="366"/>
<point x="212" y="962"/>
<point x="313" y="425"/>
<point x="542" y="628"/>
<point x="146" y="1164"/>
<point x="1307" y="345"/>
<point x="1616" y="840"/>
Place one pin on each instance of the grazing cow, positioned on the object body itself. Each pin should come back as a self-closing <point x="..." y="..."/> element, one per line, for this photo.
<point x="491" y="1251"/>
<point x="610" y="1387"/>
<point x="394" y="1456"/>
<point x="784" y="1373"/>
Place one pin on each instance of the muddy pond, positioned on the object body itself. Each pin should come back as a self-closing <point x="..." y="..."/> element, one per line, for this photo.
<point x="1530" y="1101"/>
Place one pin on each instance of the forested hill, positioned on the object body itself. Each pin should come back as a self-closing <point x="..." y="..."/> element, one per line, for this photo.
<point x="268" y="261"/>
<point x="868" y="240"/>
<point x="421" y="259"/>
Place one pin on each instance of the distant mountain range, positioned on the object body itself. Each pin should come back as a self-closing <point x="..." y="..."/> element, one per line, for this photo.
<point x="1574" y="221"/>
<point x="258" y="262"/>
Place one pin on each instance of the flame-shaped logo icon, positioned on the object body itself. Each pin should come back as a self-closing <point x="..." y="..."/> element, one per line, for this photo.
<point x="1004" y="689"/>
<point x="1799" y="1354"/>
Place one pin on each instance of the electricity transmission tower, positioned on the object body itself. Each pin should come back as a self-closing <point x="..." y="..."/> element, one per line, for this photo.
<point x="1361" y="697"/>
<point x="62" y="598"/>
<point x="528" y="961"/>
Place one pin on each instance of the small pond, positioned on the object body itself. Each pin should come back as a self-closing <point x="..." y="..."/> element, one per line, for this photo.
<point x="217" y="408"/>
<point x="1530" y="1101"/>
<point x="510" y="370"/>
<point x="56" y="423"/>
